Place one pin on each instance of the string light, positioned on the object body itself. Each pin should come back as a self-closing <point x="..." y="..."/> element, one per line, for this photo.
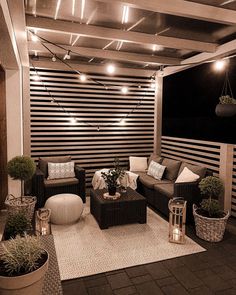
<point x="67" y="55"/>
<point x="36" y="77"/>
<point x="122" y="122"/>
<point x="54" y="58"/>
<point x="153" y="85"/>
<point x="124" y="90"/>
<point x="111" y="69"/>
<point x="83" y="77"/>
<point x="73" y="120"/>
<point x="219" y="65"/>
<point x="34" y="38"/>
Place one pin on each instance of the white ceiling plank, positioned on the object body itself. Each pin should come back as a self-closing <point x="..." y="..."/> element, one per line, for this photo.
<point x="67" y="27"/>
<point x="222" y="51"/>
<point x="185" y="9"/>
<point x="106" y="54"/>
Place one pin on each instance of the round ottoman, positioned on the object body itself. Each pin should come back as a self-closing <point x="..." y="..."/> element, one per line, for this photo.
<point x="65" y="208"/>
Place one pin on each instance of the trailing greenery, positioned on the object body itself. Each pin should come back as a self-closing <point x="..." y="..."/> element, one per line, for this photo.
<point x="21" y="167"/>
<point x="17" y="224"/>
<point x="111" y="177"/>
<point x="226" y="99"/>
<point x="21" y="255"/>
<point x="211" y="187"/>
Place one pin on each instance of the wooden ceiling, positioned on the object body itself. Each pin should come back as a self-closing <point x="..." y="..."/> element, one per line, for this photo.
<point x="150" y="34"/>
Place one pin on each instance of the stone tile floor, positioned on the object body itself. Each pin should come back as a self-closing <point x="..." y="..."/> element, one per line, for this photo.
<point x="210" y="272"/>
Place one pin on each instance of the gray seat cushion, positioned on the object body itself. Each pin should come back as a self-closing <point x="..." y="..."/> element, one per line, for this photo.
<point x="172" y="168"/>
<point x="165" y="189"/>
<point x="43" y="162"/>
<point x="150" y="181"/>
<point x="155" y="158"/>
<point x="60" y="182"/>
<point x="199" y="170"/>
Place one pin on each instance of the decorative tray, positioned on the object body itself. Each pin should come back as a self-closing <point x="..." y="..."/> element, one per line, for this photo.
<point x="108" y="197"/>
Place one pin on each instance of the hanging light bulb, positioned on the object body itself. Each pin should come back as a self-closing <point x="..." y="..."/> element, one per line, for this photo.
<point x="54" y="58"/>
<point x="34" y="38"/>
<point x="219" y="65"/>
<point x="36" y="77"/>
<point x="67" y="55"/>
<point x="111" y="69"/>
<point x="124" y="90"/>
<point x="122" y="122"/>
<point x="73" y="120"/>
<point x="83" y="77"/>
<point x="98" y="128"/>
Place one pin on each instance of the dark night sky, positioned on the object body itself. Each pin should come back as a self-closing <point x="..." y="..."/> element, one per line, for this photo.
<point x="189" y="101"/>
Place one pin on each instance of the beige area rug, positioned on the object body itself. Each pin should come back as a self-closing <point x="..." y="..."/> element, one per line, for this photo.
<point x="83" y="249"/>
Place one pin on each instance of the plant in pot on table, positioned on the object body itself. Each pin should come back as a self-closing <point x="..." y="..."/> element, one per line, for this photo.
<point x="21" y="168"/>
<point x="210" y="220"/>
<point x="23" y="264"/>
<point x="111" y="177"/>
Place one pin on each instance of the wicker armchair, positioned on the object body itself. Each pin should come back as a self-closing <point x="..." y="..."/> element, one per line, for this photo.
<point x="43" y="188"/>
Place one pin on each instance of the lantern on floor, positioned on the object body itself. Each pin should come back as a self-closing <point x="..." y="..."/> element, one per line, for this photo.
<point x="43" y="218"/>
<point x="177" y="218"/>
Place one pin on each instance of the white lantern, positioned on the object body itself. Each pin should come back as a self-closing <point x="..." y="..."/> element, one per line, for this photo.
<point x="177" y="219"/>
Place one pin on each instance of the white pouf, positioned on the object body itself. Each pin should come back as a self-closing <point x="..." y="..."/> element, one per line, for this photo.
<point x="65" y="208"/>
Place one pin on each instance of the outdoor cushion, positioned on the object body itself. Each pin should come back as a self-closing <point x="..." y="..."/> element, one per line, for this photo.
<point x="137" y="163"/>
<point x="149" y="181"/>
<point x="43" y="162"/>
<point x="199" y="170"/>
<point x="60" y="182"/>
<point x="165" y="189"/>
<point x="156" y="170"/>
<point x="61" y="170"/>
<point x="155" y="158"/>
<point x="187" y="176"/>
<point x="172" y="168"/>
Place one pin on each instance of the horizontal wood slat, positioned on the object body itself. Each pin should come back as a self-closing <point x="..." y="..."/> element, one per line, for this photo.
<point x="91" y="103"/>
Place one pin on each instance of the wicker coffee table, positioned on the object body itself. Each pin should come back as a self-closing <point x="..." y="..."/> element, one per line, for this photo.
<point x="130" y="208"/>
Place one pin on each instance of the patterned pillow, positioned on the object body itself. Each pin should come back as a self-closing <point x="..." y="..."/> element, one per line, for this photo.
<point x="156" y="170"/>
<point x="61" y="170"/>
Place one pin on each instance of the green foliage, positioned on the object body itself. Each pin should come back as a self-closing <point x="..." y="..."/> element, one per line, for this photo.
<point x="211" y="186"/>
<point x="21" y="167"/>
<point x="226" y="99"/>
<point x="17" y="224"/>
<point x="211" y="208"/>
<point x="21" y="255"/>
<point x="113" y="175"/>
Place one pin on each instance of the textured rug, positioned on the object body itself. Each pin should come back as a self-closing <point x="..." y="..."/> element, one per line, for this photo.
<point x="83" y="249"/>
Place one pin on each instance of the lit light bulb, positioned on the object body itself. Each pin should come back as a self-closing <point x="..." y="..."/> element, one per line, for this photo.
<point x="122" y="122"/>
<point x="36" y="77"/>
<point x="153" y="85"/>
<point x="219" y="65"/>
<point x="83" y="77"/>
<point x="111" y="69"/>
<point x="54" y="58"/>
<point x="67" y="55"/>
<point x="34" y="38"/>
<point x="124" y="90"/>
<point x="73" y="120"/>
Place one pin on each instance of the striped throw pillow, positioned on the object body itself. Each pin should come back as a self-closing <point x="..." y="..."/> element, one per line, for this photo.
<point x="156" y="170"/>
<point x="61" y="170"/>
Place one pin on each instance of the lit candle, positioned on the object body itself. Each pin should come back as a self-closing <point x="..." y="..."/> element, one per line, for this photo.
<point x="176" y="234"/>
<point x="43" y="230"/>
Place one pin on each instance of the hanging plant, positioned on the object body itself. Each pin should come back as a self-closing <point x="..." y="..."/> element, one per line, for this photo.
<point x="227" y="104"/>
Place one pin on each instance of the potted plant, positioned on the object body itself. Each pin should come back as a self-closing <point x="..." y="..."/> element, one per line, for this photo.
<point x="210" y="220"/>
<point x="16" y="224"/>
<point x="23" y="264"/>
<point x="111" y="177"/>
<point x="226" y="107"/>
<point x="21" y="168"/>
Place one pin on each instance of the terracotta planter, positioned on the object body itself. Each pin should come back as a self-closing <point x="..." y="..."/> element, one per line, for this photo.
<point x="28" y="284"/>
<point x="225" y="110"/>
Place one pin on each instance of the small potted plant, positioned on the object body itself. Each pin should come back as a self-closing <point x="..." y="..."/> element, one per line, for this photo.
<point x="21" y="168"/>
<point x="226" y="107"/>
<point x="111" y="177"/>
<point x="23" y="264"/>
<point x="16" y="224"/>
<point x="210" y="220"/>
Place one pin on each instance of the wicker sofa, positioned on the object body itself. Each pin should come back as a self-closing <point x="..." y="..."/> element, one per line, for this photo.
<point x="159" y="192"/>
<point x="43" y="188"/>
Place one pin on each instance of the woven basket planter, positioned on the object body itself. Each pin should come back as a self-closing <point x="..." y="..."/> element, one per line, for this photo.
<point x="209" y="229"/>
<point x="14" y="205"/>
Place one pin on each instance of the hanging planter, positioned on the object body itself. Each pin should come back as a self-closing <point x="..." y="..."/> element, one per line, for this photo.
<point x="227" y="104"/>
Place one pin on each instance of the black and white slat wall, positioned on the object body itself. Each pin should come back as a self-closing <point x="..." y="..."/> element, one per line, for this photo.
<point x="52" y="133"/>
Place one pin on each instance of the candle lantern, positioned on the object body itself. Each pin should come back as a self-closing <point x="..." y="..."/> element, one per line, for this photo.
<point x="42" y="221"/>
<point x="177" y="218"/>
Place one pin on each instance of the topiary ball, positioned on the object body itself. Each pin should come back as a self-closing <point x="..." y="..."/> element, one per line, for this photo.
<point x="21" y="167"/>
<point x="211" y="186"/>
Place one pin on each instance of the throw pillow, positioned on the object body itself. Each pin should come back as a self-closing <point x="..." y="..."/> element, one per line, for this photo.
<point x="137" y="163"/>
<point x="172" y="168"/>
<point x="199" y="170"/>
<point x="61" y="170"/>
<point x="156" y="170"/>
<point x="187" y="176"/>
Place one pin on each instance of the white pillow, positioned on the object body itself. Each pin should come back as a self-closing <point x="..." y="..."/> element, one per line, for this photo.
<point x="156" y="170"/>
<point x="137" y="163"/>
<point x="187" y="176"/>
<point x="61" y="170"/>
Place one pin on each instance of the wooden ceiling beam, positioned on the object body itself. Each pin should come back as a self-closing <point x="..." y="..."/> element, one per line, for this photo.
<point x="105" y="54"/>
<point x="66" y="27"/>
<point x="183" y="8"/>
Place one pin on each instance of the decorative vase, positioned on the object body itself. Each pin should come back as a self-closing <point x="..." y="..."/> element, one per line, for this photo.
<point x="225" y="110"/>
<point x="27" y="284"/>
<point x="112" y="190"/>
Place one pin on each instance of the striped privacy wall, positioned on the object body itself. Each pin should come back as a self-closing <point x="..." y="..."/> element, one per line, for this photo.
<point x="97" y="136"/>
<point x="234" y="185"/>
